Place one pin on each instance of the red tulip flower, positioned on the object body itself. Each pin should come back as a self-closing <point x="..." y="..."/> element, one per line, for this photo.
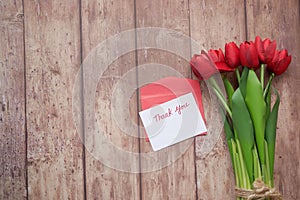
<point x="204" y="67"/>
<point x="216" y="55"/>
<point x="265" y="49"/>
<point x="232" y="55"/>
<point x="218" y="58"/>
<point x="248" y="55"/>
<point x="280" y="62"/>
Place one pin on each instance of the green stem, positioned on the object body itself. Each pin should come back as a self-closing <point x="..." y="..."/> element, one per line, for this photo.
<point x="224" y="103"/>
<point x="239" y="171"/>
<point x="255" y="164"/>
<point x="262" y="75"/>
<point x="268" y="85"/>
<point x="264" y="173"/>
<point x="256" y="161"/>
<point x="213" y="82"/>
<point x="245" y="177"/>
<point x="235" y="167"/>
<point x="219" y="94"/>
<point x="238" y="76"/>
<point x="269" y="182"/>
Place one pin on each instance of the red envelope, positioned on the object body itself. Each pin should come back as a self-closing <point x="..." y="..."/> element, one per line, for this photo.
<point x="167" y="89"/>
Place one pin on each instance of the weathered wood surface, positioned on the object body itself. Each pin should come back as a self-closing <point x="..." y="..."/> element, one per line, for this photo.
<point x="178" y="179"/>
<point x="263" y="19"/>
<point x="211" y="29"/>
<point x="36" y="97"/>
<point x="52" y="49"/>
<point x="12" y="102"/>
<point x="101" y="20"/>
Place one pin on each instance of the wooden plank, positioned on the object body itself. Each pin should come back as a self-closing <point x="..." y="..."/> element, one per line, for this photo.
<point x="52" y="35"/>
<point x="12" y="102"/>
<point x="280" y="21"/>
<point x="102" y="20"/>
<point x="214" y="23"/>
<point x="176" y="180"/>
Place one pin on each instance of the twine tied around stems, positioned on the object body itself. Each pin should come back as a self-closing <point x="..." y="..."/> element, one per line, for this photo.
<point x="260" y="191"/>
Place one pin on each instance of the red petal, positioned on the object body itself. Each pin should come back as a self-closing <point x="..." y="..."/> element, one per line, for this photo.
<point x="260" y="48"/>
<point x="282" y="54"/>
<point x="270" y="52"/>
<point x="243" y="51"/>
<point x="202" y="66"/>
<point x="232" y="55"/>
<point x="196" y="72"/>
<point x="276" y="56"/>
<point x="221" y="56"/>
<point x="223" y="67"/>
<point x="214" y="55"/>
<point x="266" y="43"/>
<point x="251" y="56"/>
<point x="283" y="65"/>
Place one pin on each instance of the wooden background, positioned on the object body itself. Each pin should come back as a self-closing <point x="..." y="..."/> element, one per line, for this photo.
<point x="42" y="44"/>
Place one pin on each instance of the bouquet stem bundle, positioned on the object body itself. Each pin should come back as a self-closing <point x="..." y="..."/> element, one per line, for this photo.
<point x="250" y="119"/>
<point x="251" y="131"/>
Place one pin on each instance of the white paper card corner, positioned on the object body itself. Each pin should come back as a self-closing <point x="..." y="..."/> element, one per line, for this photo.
<point x="173" y="121"/>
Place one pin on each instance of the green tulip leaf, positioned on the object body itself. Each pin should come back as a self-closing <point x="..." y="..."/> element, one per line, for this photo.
<point x="243" y="81"/>
<point x="228" y="129"/>
<point x="229" y="136"/>
<point x="242" y="123"/>
<point x="257" y="109"/>
<point x="229" y="90"/>
<point x="271" y="132"/>
<point x="268" y="104"/>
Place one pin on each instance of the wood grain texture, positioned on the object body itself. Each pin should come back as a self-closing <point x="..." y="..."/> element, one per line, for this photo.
<point x="177" y="180"/>
<point x="12" y="102"/>
<point x="102" y="20"/>
<point x="280" y="21"/>
<point x="214" y="23"/>
<point x="52" y="36"/>
<point x="36" y="92"/>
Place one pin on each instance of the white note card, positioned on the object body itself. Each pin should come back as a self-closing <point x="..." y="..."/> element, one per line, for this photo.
<point x="173" y="121"/>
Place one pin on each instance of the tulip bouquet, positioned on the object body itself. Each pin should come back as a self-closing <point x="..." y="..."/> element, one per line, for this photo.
<point x="250" y="118"/>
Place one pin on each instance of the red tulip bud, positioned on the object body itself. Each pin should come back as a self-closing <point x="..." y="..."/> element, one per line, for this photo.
<point x="204" y="67"/>
<point x="248" y="55"/>
<point x="280" y="62"/>
<point x="232" y="55"/>
<point x="216" y="55"/>
<point x="265" y="49"/>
